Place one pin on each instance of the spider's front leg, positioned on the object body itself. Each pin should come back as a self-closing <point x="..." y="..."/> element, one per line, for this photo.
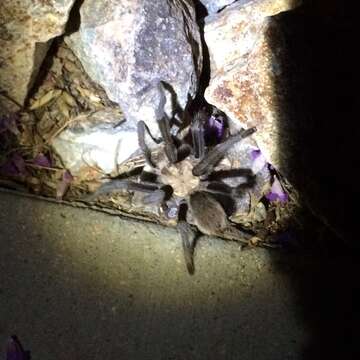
<point x="142" y="129"/>
<point x="207" y="164"/>
<point x="170" y="147"/>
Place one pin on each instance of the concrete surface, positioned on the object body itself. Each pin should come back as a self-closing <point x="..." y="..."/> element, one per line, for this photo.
<point x="78" y="284"/>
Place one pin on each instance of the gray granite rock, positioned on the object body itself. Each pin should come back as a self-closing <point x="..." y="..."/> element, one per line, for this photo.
<point x="213" y="6"/>
<point x="129" y="47"/>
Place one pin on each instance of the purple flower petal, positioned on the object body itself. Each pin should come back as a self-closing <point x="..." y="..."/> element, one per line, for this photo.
<point x="19" y="162"/>
<point x="42" y="160"/>
<point x="259" y="161"/>
<point x="214" y="128"/>
<point x="255" y="154"/>
<point x="9" y="169"/>
<point x="277" y="192"/>
<point x="10" y="123"/>
<point x="67" y="177"/>
<point x="271" y="196"/>
<point x="14" y="350"/>
<point x="64" y="184"/>
<point x="14" y="166"/>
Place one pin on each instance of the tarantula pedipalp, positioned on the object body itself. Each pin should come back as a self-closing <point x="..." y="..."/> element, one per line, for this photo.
<point x="184" y="166"/>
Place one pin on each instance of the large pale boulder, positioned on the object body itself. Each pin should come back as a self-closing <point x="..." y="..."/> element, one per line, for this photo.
<point x="247" y="50"/>
<point x="129" y="47"/>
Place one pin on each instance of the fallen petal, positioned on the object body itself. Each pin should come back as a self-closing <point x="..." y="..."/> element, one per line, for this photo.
<point x="14" y="166"/>
<point x="259" y="161"/>
<point x="277" y="192"/>
<point x="63" y="185"/>
<point x="214" y="128"/>
<point x="19" y="162"/>
<point x="68" y="177"/>
<point x="42" y="160"/>
<point x="8" y="169"/>
<point x="14" y="350"/>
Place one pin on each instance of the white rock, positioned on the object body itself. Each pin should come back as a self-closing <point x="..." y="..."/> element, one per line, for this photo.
<point x="94" y="143"/>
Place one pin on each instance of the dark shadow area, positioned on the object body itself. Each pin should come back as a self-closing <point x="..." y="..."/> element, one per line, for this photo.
<point x="44" y="70"/>
<point x="327" y="293"/>
<point x="317" y="145"/>
<point x="73" y="24"/>
<point x="204" y="80"/>
<point x="317" y="127"/>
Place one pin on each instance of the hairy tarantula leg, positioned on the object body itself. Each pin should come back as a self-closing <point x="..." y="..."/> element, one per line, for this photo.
<point x="117" y="185"/>
<point x="188" y="244"/>
<point x="141" y="129"/>
<point x="198" y="135"/>
<point x="207" y="164"/>
<point x="219" y="188"/>
<point x="170" y="148"/>
<point x="220" y="192"/>
<point x="156" y="197"/>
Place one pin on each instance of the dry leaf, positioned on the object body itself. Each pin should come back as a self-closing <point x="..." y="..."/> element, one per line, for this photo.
<point x="45" y="124"/>
<point x="88" y="94"/>
<point x="63" y="107"/>
<point x="63" y="184"/>
<point x="68" y="99"/>
<point x="52" y="94"/>
<point x="71" y="67"/>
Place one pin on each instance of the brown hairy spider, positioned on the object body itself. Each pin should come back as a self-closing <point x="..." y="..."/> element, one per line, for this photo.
<point x="183" y="163"/>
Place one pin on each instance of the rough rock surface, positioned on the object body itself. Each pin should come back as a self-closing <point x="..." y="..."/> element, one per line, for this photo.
<point x="94" y="143"/>
<point x="128" y="47"/>
<point x="213" y="6"/>
<point x="246" y="48"/>
<point x="26" y="30"/>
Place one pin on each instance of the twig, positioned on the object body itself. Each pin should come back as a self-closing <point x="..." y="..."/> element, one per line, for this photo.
<point x="76" y="204"/>
<point x="40" y="167"/>
<point x="64" y="126"/>
<point x="99" y="171"/>
<point x="4" y="94"/>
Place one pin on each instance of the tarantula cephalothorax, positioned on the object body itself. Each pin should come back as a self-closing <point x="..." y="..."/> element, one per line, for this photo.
<point x="183" y="164"/>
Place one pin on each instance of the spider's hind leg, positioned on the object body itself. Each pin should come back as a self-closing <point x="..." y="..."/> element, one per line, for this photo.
<point x="154" y="194"/>
<point x="170" y="147"/>
<point x="188" y="238"/>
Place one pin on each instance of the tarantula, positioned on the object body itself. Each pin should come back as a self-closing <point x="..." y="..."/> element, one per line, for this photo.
<point x="180" y="168"/>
